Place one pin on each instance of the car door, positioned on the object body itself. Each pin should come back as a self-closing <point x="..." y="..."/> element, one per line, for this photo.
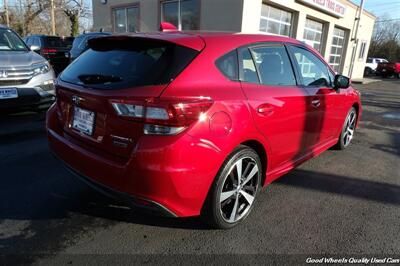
<point x="276" y="101"/>
<point x="321" y="99"/>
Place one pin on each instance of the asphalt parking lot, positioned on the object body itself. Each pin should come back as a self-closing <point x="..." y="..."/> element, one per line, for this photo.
<point x="343" y="202"/>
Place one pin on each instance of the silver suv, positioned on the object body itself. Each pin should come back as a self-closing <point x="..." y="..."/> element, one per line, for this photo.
<point x="26" y="78"/>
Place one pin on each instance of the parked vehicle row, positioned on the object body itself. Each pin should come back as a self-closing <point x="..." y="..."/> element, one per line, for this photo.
<point x="188" y="124"/>
<point x="372" y="64"/>
<point x="389" y="69"/>
<point x="30" y="66"/>
<point x="55" y="49"/>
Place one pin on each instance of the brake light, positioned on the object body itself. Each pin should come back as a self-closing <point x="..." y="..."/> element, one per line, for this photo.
<point x="49" y="50"/>
<point x="166" y="116"/>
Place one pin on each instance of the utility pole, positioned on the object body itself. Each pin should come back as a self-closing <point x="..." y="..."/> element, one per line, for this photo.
<point x="53" y="22"/>
<point x="6" y="11"/>
<point x="354" y="40"/>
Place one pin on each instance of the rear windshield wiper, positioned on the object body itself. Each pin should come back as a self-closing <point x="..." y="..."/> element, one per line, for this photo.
<point x="99" y="79"/>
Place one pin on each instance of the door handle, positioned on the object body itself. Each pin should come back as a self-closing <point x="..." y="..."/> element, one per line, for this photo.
<point x="265" y="109"/>
<point x="316" y="103"/>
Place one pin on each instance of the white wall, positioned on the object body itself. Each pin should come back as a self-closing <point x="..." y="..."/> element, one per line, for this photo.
<point x="252" y="15"/>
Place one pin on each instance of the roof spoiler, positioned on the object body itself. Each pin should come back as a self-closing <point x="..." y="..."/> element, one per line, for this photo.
<point x="166" y="26"/>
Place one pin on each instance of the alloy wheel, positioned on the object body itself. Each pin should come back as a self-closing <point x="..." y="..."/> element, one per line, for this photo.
<point x="349" y="128"/>
<point x="239" y="189"/>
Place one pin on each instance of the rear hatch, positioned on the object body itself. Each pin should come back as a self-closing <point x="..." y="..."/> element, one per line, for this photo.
<point x="56" y="49"/>
<point x="126" y="69"/>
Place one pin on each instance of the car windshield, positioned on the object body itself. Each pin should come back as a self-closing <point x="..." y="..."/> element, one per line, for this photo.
<point x="126" y="64"/>
<point x="9" y="41"/>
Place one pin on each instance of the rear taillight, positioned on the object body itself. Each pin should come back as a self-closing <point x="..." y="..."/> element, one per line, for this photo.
<point x="164" y="117"/>
<point x="49" y="51"/>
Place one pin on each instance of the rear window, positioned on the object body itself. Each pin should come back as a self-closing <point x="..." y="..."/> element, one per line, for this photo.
<point x="58" y="42"/>
<point x="78" y="41"/>
<point x="125" y="64"/>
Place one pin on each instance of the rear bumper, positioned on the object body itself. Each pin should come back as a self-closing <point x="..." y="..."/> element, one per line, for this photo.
<point x="135" y="202"/>
<point x="170" y="175"/>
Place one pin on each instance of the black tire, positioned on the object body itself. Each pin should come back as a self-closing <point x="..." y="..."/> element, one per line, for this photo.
<point x="212" y="212"/>
<point x="367" y="72"/>
<point x="341" y="144"/>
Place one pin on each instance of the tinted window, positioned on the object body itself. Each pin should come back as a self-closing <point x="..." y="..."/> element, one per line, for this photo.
<point x="312" y="70"/>
<point x="78" y="41"/>
<point x="114" y="64"/>
<point x="228" y="65"/>
<point x="83" y="43"/>
<point x="27" y="41"/>
<point x="9" y="41"/>
<point x="36" y="41"/>
<point x="248" y="68"/>
<point x="57" y="42"/>
<point x="274" y="66"/>
<point x="369" y="60"/>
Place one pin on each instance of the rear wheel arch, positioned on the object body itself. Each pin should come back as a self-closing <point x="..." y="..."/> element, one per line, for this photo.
<point x="357" y="107"/>
<point x="259" y="148"/>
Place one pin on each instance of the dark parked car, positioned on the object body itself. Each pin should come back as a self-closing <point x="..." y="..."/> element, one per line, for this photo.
<point x="54" y="49"/>
<point x="81" y="43"/>
<point x="388" y="69"/>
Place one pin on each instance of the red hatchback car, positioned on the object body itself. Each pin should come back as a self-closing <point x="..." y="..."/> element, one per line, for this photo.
<point x="189" y="124"/>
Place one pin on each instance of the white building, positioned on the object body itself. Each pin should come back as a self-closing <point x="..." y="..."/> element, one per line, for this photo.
<point x="327" y="25"/>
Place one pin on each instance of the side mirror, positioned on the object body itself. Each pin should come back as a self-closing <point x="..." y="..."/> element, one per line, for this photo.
<point x="341" y="82"/>
<point x="34" y="48"/>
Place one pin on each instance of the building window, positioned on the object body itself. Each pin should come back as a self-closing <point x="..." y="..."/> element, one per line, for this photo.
<point x="126" y="19"/>
<point x="337" y="48"/>
<point x="184" y="14"/>
<point x="275" y="21"/>
<point x="313" y="34"/>
<point x="362" y="50"/>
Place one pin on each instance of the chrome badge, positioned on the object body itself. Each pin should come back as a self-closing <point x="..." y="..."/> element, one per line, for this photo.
<point x="3" y="74"/>
<point x="76" y="99"/>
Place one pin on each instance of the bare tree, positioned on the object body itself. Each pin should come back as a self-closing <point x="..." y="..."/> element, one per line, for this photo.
<point x="74" y="10"/>
<point x="33" y="10"/>
<point x="385" y="40"/>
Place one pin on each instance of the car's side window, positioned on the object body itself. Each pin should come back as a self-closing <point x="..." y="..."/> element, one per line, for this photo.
<point x="228" y="65"/>
<point x="36" y="42"/>
<point x="273" y="65"/>
<point x="312" y="70"/>
<point x="249" y="70"/>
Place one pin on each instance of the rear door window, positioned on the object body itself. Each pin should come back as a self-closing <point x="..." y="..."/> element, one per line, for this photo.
<point x="116" y="64"/>
<point x="248" y="68"/>
<point x="273" y="65"/>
